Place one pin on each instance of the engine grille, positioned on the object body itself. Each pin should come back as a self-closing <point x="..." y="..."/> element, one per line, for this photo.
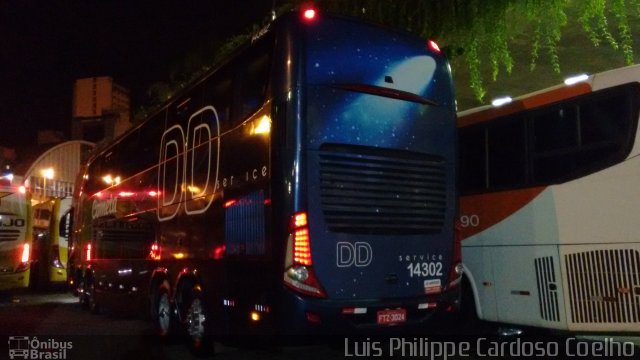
<point x="547" y="289"/>
<point x="9" y="235"/>
<point x="382" y="191"/>
<point x="604" y="286"/>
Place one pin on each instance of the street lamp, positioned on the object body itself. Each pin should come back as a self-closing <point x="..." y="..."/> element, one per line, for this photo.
<point x="46" y="174"/>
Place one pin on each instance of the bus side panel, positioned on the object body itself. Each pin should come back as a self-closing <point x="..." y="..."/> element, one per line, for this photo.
<point x="530" y="292"/>
<point x="600" y="248"/>
<point x="519" y="244"/>
<point x="478" y="268"/>
<point x="602" y="286"/>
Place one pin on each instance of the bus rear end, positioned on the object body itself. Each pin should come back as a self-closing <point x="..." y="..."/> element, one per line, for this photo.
<point x="371" y="240"/>
<point x="15" y="237"/>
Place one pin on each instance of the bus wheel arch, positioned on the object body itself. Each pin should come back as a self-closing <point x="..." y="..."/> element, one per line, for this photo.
<point x="469" y="292"/>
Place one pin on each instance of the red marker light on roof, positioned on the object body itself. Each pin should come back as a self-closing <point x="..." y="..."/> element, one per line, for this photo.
<point x="433" y="46"/>
<point x="309" y="14"/>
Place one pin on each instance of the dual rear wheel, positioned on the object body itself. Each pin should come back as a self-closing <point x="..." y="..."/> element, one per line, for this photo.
<point x="189" y="318"/>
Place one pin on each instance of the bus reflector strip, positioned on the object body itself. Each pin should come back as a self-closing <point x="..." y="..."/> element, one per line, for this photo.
<point x="354" y="311"/>
<point x="261" y="308"/>
<point x="425" y="306"/>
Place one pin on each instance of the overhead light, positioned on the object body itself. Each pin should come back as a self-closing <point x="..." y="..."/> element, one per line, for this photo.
<point x="48" y="173"/>
<point x="576" y="79"/>
<point x="501" y="101"/>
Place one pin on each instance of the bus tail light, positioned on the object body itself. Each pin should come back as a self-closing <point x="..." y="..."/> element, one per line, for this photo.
<point x="25" y="256"/>
<point x="88" y="252"/>
<point x="299" y="274"/>
<point x="154" y="253"/>
<point x="26" y="253"/>
<point x="455" y="273"/>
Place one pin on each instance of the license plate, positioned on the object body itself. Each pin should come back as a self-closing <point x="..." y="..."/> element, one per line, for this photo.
<point x="392" y="316"/>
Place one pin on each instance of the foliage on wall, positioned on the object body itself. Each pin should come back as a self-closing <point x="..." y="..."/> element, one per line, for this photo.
<point x="475" y="32"/>
<point x="479" y="31"/>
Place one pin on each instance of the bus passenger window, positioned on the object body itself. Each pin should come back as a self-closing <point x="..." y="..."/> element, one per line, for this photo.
<point x="472" y="158"/>
<point x="604" y="120"/>
<point x="555" y="129"/>
<point x="507" y="166"/>
<point x="254" y="85"/>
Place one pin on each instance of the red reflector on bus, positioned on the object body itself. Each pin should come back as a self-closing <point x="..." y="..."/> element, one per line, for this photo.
<point x="313" y="317"/>
<point x="25" y="253"/>
<point x="218" y="252"/>
<point x="309" y="14"/>
<point x="354" y="311"/>
<point x="433" y="46"/>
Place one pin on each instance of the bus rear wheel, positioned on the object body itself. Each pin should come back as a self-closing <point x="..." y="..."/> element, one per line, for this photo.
<point x="80" y="290"/>
<point x="162" y="312"/>
<point x="90" y="294"/>
<point x="198" y="324"/>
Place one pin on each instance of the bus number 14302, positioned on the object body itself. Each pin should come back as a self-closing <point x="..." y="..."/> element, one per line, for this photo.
<point x="424" y="269"/>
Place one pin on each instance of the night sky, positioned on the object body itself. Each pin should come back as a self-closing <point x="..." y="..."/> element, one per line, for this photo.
<point x="45" y="45"/>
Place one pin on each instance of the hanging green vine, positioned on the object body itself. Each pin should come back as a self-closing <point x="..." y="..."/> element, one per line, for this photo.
<point x="472" y="31"/>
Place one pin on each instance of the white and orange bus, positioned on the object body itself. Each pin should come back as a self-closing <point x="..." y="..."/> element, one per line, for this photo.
<point x="550" y="206"/>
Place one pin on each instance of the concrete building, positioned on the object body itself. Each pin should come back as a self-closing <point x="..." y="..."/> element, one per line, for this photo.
<point x="101" y="109"/>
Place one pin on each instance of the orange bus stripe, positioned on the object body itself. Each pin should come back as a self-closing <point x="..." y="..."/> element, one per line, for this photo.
<point x="530" y="102"/>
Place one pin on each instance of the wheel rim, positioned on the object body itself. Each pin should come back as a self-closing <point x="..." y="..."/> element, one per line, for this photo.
<point x="164" y="314"/>
<point x="195" y="321"/>
<point x="91" y="295"/>
<point x="81" y="294"/>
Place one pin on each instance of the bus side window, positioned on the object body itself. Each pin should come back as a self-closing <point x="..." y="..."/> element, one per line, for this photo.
<point x="254" y="84"/>
<point x="473" y="158"/>
<point x="66" y="224"/>
<point x="506" y="141"/>
<point x="218" y="92"/>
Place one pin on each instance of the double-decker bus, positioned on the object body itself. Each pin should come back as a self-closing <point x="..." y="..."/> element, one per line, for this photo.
<point x="15" y="236"/>
<point x="549" y="206"/>
<point x="51" y="221"/>
<point x="306" y="185"/>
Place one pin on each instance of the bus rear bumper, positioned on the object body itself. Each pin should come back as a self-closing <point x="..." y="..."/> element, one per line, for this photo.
<point x="14" y="280"/>
<point x="307" y="316"/>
